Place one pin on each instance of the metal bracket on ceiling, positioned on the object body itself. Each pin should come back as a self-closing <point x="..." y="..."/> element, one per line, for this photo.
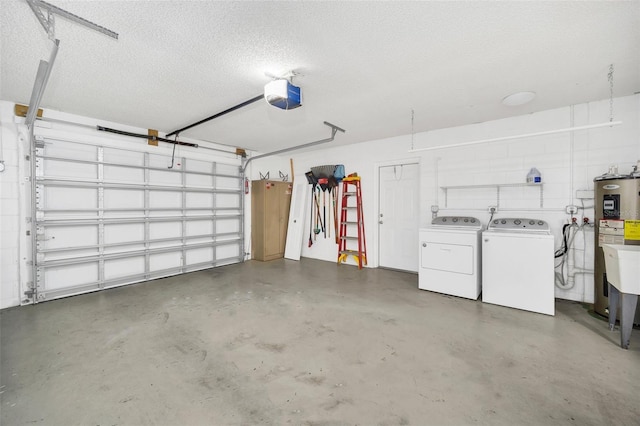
<point x="48" y="23"/>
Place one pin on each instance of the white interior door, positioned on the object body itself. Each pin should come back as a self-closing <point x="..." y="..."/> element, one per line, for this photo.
<point x="398" y="219"/>
<point x="299" y="200"/>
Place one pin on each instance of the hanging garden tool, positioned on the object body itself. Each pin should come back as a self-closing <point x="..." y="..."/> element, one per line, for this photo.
<point x="338" y="175"/>
<point x="329" y="220"/>
<point x="336" y="221"/>
<point x="311" y="222"/>
<point x="315" y="200"/>
<point x="319" y="222"/>
<point x="324" y="184"/>
<point x="325" y="178"/>
<point x="322" y="174"/>
<point x="313" y="182"/>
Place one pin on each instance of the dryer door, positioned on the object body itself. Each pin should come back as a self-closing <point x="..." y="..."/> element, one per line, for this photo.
<point x="447" y="257"/>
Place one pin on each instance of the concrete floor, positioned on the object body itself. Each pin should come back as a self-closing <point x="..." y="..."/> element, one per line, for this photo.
<point x="309" y="343"/>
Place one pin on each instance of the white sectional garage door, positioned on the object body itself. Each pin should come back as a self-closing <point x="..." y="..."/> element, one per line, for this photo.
<point x="107" y="216"/>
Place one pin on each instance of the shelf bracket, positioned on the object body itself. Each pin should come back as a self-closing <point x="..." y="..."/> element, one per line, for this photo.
<point x="48" y="22"/>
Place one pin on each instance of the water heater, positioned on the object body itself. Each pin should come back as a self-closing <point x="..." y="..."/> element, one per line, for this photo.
<point x="617" y="210"/>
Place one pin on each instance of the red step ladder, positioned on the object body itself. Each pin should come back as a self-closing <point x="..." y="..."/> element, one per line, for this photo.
<point x="352" y="228"/>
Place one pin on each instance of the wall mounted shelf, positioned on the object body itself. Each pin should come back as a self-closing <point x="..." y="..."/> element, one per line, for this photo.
<point x="497" y="188"/>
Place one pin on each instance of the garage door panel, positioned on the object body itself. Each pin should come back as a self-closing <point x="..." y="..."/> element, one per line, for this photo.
<point x="119" y="268"/>
<point x="123" y="174"/>
<point x="63" y="237"/>
<point x="128" y="250"/>
<point x="199" y="166"/>
<point x="160" y="261"/>
<point x="62" y="169"/>
<point x="165" y="230"/>
<point x="70" y="150"/>
<point x="226" y="169"/>
<point x="199" y="200"/>
<point x="173" y="244"/>
<point x="167" y="177"/>
<point x="165" y="200"/>
<point x="199" y="240"/>
<point x="229" y="183"/>
<point x="59" y="277"/>
<point x="125" y="158"/>
<point x="227" y="201"/>
<point x="122" y="198"/>
<point x="199" y="227"/>
<point x="199" y="255"/>
<point x="227" y="225"/>
<point x="199" y="180"/>
<point x="56" y="198"/>
<point x="164" y="161"/>
<point x="226" y="251"/>
<point x="123" y="233"/>
<point x="107" y="217"/>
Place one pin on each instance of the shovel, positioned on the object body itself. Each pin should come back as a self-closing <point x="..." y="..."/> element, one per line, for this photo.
<point x="317" y="230"/>
<point x="311" y="222"/>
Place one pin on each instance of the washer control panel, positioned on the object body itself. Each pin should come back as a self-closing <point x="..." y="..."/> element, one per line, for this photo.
<point x="519" y="224"/>
<point x="459" y="221"/>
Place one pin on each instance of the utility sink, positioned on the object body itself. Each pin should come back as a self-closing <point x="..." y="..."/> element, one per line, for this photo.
<point x="622" y="263"/>
<point x="623" y="267"/>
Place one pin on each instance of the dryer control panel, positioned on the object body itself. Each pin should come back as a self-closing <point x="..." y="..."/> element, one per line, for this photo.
<point x="519" y="225"/>
<point x="460" y="221"/>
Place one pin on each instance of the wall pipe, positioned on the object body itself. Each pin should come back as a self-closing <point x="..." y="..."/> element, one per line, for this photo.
<point x="526" y="135"/>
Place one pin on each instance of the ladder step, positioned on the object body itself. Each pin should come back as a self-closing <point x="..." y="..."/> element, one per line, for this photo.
<point x="349" y="252"/>
<point x="348" y="237"/>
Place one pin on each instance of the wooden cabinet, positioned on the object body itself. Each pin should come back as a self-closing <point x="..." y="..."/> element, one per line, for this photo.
<point x="270" y="201"/>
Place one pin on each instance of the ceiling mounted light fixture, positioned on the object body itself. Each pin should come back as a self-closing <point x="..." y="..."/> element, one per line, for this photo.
<point x="282" y="94"/>
<point x="518" y="98"/>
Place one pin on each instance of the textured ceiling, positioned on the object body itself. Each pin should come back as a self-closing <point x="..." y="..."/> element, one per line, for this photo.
<point x="365" y="65"/>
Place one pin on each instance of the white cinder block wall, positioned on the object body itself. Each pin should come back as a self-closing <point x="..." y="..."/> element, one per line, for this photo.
<point x="567" y="162"/>
<point x="10" y="223"/>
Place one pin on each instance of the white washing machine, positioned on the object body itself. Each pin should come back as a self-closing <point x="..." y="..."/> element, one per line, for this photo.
<point x="450" y="256"/>
<point x="517" y="265"/>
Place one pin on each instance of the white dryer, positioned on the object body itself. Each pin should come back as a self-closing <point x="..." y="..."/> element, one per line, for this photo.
<point x="517" y="265"/>
<point x="450" y="256"/>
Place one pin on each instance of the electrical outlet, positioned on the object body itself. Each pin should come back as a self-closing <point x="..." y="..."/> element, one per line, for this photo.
<point x="571" y="209"/>
<point x="493" y="209"/>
